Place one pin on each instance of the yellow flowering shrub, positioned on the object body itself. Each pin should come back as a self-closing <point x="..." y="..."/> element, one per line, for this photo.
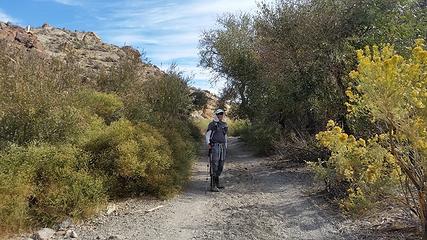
<point x="365" y="168"/>
<point x="393" y="91"/>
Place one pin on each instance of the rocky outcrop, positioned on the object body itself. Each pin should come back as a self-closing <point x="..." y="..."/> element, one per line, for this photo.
<point x="19" y="36"/>
<point x="87" y="47"/>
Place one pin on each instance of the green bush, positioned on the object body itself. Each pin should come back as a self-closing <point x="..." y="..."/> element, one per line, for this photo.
<point x="49" y="182"/>
<point x="202" y="124"/>
<point x="184" y="150"/>
<point x="34" y="98"/>
<point x="121" y="77"/>
<point x="25" y="124"/>
<point x="159" y="99"/>
<point x="261" y="136"/>
<point x="15" y="188"/>
<point x="195" y="134"/>
<point x="108" y="106"/>
<point x="131" y="158"/>
<point x="237" y="127"/>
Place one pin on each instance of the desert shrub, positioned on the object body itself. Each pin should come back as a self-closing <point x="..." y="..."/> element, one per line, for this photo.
<point x="165" y="103"/>
<point x="359" y="171"/>
<point x="184" y="149"/>
<point x="164" y="99"/>
<point x="25" y="124"/>
<point x="202" y="124"/>
<point x="237" y="127"/>
<point x="108" y="106"/>
<point x="261" y="136"/>
<point x="298" y="148"/>
<point x="131" y="158"/>
<point x="391" y="89"/>
<point x="65" y="186"/>
<point x="50" y="182"/>
<point x="120" y="77"/>
<point x="70" y="139"/>
<point x="15" y="188"/>
<point x="194" y="131"/>
<point x="34" y="98"/>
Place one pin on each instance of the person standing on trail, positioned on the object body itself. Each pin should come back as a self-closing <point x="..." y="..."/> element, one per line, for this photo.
<point x="216" y="139"/>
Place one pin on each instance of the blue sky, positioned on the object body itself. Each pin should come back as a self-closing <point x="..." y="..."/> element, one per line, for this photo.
<point x="168" y="31"/>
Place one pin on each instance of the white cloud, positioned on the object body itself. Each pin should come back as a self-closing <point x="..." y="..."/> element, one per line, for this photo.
<point x="6" y="18"/>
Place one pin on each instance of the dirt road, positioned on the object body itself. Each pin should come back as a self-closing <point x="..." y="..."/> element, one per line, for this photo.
<point x="259" y="202"/>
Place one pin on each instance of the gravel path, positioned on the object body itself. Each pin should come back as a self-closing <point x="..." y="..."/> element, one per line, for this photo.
<point x="259" y="202"/>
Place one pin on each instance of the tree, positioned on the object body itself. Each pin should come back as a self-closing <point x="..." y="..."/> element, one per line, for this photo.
<point x="287" y="65"/>
<point x="229" y="53"/>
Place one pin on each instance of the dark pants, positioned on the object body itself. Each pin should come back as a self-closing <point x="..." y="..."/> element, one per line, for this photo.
<point x="218" y="158"/>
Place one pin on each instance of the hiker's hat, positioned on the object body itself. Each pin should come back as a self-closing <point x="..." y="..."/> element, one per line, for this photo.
<point x="219" y="111"/>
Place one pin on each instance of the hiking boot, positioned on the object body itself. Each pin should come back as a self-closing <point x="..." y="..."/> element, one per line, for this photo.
<point x="218" y="185"/>
<point x="214" y="189"/>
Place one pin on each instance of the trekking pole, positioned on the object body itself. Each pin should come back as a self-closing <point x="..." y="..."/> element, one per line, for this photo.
<point x="209" y="171"/>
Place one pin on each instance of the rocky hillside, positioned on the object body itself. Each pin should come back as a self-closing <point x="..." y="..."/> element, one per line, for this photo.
<point x="86" y="47"/>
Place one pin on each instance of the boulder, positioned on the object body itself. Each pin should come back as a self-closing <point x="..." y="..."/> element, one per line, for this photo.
<point x="131" y="52"/>
<point x="24" y="39"/>
<point x="91" y="38"/>
<point x="46" y="26"/>
<point x="111" y="208"/>
<point x="19" y="36"/>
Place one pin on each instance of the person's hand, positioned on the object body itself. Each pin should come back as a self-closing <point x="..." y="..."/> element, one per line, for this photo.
<point x="209" y="146"/>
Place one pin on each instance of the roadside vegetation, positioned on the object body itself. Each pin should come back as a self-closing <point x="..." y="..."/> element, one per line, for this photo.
<point x="341" y="84"/>
<point x="71" y="140"/>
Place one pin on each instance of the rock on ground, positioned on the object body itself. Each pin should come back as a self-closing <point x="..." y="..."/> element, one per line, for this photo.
<point x="44" y="234"/>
